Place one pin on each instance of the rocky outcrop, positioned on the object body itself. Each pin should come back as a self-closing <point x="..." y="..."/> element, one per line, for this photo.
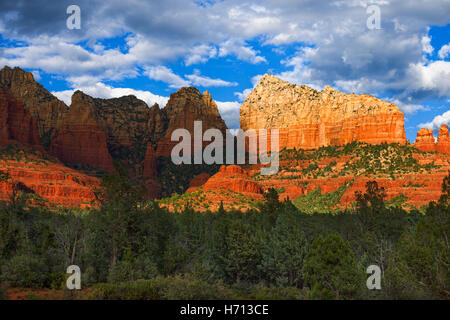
<point x="49" y="179"/>
<point x="16" y="123"/>
<point x="443" y="140"/>
<point x="40" y="103"/>
<point x="81" y="138"/>
<point x="150" y="172"/>
<point x="183" y="108"/>
<point x="425" y="140"/>
<point x="232" y="178"/>
<point x="309" y="119"/>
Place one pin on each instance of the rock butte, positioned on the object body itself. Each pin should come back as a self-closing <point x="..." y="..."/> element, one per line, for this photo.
<point x="183" y="108"/>
<point x="95" y="132"/>
<point x="309" y="119"/>
<point x="16" y="123"/>
<point x="425" y="140"/>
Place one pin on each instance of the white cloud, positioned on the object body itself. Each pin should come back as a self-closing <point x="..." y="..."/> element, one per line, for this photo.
<point x="241" y="51"/>
<point x="101" y="90"/>
<point x="166" y="75"/>
<point x="434" y="76"/>
<point x="444" y="52"/>
<point x="408" y="108"/>
<point x="198" y="80"/>
<point x="230" y="113"/>
<point x="243" y="95"/>
<point x="426" y="45"/>
<point x="228" y="106"/>
<point x="437" y="122"/>
<point x="342" y="50"/>
<point x="200" y="54"/>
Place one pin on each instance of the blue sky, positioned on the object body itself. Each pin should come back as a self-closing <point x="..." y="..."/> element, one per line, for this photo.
<point x="151" y="48"/>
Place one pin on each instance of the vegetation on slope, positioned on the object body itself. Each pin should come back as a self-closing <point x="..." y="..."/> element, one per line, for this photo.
<point x="130" y="248"/>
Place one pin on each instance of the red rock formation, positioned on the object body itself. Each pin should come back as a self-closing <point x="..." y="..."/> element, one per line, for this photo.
<point x="81" y="138"/>
<point x="199" y="180"/>
<point x="52" y="181"/>
<point x="150" y="173"/>
<point x="309" y="119"/>
<point x="425" y="140"/>
<point x="40" y="103"/>
<point x="183" y="108"/>
<point x="16" y="122"/>
<point x="233" y="178"/>
<point x="443" y="141"/>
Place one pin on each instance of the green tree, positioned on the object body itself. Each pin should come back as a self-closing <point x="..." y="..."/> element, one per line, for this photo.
<point x="284" y="252"/>
<point x="331" y="269"/>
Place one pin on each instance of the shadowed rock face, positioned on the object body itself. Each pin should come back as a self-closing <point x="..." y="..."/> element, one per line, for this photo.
<point x="309" y="119"/>
<point x="184" y="107"/>
<point x="40" y="103"/>
<point x="81" y="138"/>
<point x="16" y="123"/>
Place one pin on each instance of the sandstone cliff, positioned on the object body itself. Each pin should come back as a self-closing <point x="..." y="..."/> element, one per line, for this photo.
<point x="183" y="108"/>
<point x="81" y="138"/>
<point x="425" y="140"/>
<point x="45" y="177"/>
<point x="232" y="178"/>
<point x="16" y="123"/>
<point x="308" y="119"/>
<point x="443" y="140"/>
<point x="40" y="103"/>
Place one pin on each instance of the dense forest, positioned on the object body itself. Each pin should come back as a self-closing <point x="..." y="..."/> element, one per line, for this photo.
<point x="130" y="248"/>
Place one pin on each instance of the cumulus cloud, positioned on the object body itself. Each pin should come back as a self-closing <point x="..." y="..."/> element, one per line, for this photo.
<point x="328" y="42"/>
<point x="101" y="90"/>
<point x="426" y="45"/>
<point x="197" y="79"/>
<point x="408" y="108"/>
<point x="437" y="122"/>
<point x="166" y="75"/>
<point x="162" y="73"/>
<point x="434" y="76"/>
<point x="230" y="113"/>
<point x="444" y="52"/>
<point x="241" y="51"/>
<point x="200" y="54"/>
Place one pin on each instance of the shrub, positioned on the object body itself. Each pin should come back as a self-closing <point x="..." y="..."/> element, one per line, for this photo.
<point x="171" y="288"/>
<point x="25" y="271"/>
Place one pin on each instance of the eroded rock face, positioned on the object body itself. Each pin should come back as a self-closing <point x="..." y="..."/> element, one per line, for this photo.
<point x="81" y="137"/>
<point x="183" y="108"/>
<point x="16" y="123"/>
<point x="233" y="178"/>
<point x="309" y="119"/>
<point x="425" y="140"/>
<point x="443" y="140"/>
<point x="52" y="181"/>
<point x="40" y="103"/>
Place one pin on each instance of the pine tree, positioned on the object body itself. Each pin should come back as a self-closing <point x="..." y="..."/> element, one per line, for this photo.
<point x="331" y="270"/>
